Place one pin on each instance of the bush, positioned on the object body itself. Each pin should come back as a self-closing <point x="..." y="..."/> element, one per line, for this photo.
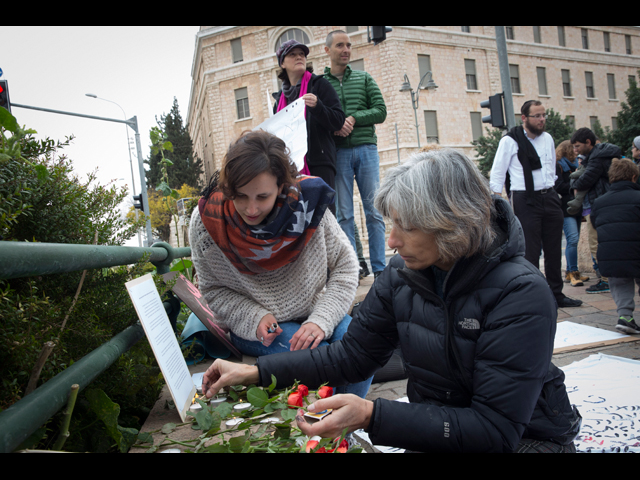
<point x="41" y="200"/>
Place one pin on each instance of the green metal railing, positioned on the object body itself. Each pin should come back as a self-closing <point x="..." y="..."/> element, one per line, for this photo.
<point x="22" y="259"/>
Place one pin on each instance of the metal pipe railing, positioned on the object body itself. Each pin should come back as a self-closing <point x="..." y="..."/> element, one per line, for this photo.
<point x="24" y="259"/>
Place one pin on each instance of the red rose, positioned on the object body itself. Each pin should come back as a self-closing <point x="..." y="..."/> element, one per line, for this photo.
<point x="325" y="392"/>
<point x="295" y="400"/>
<point x="303" y="390"/>
<point x="343" y="447"/>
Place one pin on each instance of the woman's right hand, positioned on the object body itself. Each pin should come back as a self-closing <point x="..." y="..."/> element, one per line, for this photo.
<point x="225" y="374"/>
<point x="267" y="323"/>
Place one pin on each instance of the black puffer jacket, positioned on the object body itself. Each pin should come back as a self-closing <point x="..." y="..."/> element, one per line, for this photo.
<point x="479" y="362"/>
<point x="616" y="216"/>
<point x="595" y="178"/>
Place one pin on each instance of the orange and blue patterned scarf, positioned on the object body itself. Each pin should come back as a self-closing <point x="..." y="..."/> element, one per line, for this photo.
<point x="276" y="243"/>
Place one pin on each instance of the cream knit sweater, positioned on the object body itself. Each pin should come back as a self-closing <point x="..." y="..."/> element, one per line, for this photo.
<point x="298" y="290"/>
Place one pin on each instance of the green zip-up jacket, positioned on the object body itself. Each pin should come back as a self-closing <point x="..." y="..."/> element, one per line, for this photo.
<point x="361" y="99"/>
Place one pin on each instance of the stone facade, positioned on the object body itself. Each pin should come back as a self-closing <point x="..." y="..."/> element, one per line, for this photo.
<point x="213" y="115"/>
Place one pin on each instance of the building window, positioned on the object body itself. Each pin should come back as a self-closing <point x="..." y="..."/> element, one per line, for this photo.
<point x="594" y="123"/>
<point x="466" y="29"/>
<point x="611" y="81"/>
<point x="351" y="29"/>
<point x="431" y="122"/>
<point x="537" y="38"/>
<point x="514" y="74"/>
<point x="566" y="83"/>
<point x="571" y="119"/>
<point x="424" y="65"/>
<point x="542" y="80"/>
<point x="588" y="80"/>
<point x="627" y="43"/>
<point x="470" y="71"/>
<point x="236" y="50"/>
<point x="561" y="38"/>
<point x="242" y="103"/>
<point x="510" y="34"/>
<point x="614" y="123"/>
<point x="292" y="34"/>
<point x="607" y="41"/>
<point x="585" y="38"/>
<point x="476" y="125"/>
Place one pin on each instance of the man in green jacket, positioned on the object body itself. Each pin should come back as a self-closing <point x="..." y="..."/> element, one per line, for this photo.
<point x="356" y="143"/>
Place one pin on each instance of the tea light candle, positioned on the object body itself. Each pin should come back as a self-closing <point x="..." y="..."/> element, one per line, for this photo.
<point x="196" y="407"/>
<point x="217" y="400"/>
<point x="233" y="422"/>
<point x="242" y="406"/>
<point x="269" y="420"/>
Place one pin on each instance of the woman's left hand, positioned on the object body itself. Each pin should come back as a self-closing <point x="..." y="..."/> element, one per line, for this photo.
<point x="310" y="100"/>
<point x="349" y="411"/>
<point x="309" y="335"/>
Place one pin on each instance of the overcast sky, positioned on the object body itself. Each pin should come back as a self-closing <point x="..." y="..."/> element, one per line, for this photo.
<point x="140" y="68"/>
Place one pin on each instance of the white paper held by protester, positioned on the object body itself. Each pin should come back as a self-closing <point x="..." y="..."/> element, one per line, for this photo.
<point x="290" y="126"/>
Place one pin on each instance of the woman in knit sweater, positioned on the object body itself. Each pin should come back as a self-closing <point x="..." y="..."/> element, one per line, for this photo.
<point x="272" y="261"/>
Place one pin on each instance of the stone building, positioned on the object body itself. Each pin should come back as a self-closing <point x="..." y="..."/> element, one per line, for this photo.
<point x="581" y="72"/>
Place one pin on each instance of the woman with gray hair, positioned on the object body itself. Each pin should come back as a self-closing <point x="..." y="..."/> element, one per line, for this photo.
<point x="475" y="322"/>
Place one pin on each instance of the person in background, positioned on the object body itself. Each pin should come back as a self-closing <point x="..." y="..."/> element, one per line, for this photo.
<point x="356" y="141"/>
<point x="526" y="162"/>
<point x="567" y="163"/>
<point x="616" y="217"/>
<point x="595" y="181"/>
<point x="323" y="112"/>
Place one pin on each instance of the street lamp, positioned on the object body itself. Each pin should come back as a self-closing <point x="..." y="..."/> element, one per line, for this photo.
<point x="406" y="87"/>
<point x="133" y="180"/>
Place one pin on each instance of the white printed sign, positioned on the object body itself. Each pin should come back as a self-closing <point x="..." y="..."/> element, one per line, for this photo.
<point x="162" y="339"/>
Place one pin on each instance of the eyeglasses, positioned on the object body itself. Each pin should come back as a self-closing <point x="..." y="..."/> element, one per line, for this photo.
<point x="539" y="116"/>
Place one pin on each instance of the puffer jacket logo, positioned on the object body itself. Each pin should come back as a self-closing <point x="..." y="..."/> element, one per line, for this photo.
<point x="469" y="324"/>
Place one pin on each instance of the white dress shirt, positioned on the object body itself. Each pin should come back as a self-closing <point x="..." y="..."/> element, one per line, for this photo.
<point x="506" y="160"/>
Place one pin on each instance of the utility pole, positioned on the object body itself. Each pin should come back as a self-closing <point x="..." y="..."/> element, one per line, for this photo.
<point x="133" y="123"/>
<point x="501" y="42"/>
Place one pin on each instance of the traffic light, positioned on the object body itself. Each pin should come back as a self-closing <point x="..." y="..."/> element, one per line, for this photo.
<point x="4" y="95"/>
<point x="496" y="116"/>
<point x="139" y="205"/>
<point x="379" y="34"/>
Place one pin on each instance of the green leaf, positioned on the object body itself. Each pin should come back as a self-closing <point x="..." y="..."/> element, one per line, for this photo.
<point x="257" y="397"/>
<point x="273" y="383"/>
<point x="108" y="412"/>
<point x="204" y="419"/>
<point x="168" y="146"/>
<point x="8" y="121"/>
<point x="168" y="428"/>
<point x="181" y="266"/>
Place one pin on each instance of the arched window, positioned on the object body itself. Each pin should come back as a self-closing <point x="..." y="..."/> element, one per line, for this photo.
<point x="292" y="34"/>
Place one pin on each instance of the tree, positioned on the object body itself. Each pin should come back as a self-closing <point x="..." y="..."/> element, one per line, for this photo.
<point x="559" y="129"/>
<point x="186" y="168"/>
<point x="628" y="120"/>
<point x="486" y="147"/>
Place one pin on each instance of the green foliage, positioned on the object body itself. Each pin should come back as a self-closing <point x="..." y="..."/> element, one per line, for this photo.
<point x="628" y="125"/>
<point x="250" y="435"/>
<point x="560" y="129"/>
<point x="486" y="147"/>
<point x="57" y="207"/>
<point x="182" y="166"/>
